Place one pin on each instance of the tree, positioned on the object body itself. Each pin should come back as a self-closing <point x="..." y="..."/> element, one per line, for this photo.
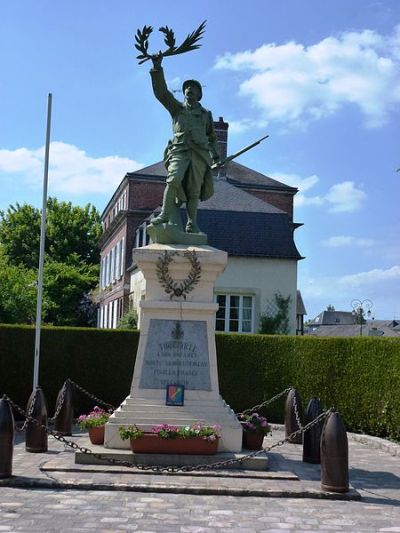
<point x="275" y="320"/>
<point x="20" y="235"/>
<point x="359" y="316"/>
<point x="72" y="233"/>
<point x="18" y="290"/>
<point x="65" y="287"/>
<point x="71" y="263"/>
<point x="330" y="307"/>
<point x="128" y="320"/>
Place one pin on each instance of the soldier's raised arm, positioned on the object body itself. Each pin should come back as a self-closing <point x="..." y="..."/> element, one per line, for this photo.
<point x="160" y="88"/>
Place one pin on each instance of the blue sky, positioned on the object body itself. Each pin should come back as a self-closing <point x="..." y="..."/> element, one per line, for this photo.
<point x="322" y="78"/>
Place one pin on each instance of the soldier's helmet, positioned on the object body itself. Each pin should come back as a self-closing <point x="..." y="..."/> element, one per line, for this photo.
<point x="193" y="82"/>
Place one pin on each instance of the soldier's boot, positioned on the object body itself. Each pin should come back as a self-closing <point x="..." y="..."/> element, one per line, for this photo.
<point x="169" y="211"/>
<point x="191" y="207"/>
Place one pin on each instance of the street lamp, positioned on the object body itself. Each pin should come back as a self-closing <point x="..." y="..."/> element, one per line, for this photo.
<point x="360" y="308"/>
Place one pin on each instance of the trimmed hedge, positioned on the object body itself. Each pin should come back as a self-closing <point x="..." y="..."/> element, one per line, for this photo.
<point x="100" y="360"/>
<point x="359" y="376"/>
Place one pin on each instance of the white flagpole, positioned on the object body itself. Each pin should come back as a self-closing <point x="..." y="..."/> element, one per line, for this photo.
<point x="41" y="252"/>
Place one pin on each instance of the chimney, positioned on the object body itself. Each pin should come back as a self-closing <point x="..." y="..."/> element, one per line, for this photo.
<point x="221" y="130"/>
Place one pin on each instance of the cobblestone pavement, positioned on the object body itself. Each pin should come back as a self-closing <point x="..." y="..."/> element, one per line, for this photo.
<point x="70" y="511"/>
<point x="374" y="472"/>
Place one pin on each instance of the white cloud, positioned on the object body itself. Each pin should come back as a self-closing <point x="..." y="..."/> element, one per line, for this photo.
<point x="379" y="285"/>
<point x="294" y="180"/>
<point x="346" y="240"/>
<point x="340" y="198"/>
<point x="239" y="126"/>
<point x="345" y="197"/>
<point x="71" y="170"/>
<point x="295" y="84"/>
<point x="372" y="277"/>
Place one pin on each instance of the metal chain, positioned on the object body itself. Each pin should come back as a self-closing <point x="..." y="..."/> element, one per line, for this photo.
<point x="266" y="403"/>
<point x="169" y="469"/>
<point x="92" y="396"/>
<point x="60" y="402"/>
<point x="250" y="410"/>
<point x="296" y="411"/>
<point x="30" y="412"/>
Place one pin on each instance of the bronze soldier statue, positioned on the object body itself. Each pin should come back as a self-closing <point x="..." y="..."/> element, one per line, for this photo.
<point x="189" y="154"/>
<point x="192" y="152"/>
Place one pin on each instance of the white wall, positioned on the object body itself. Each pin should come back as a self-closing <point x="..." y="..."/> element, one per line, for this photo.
<point x="260" y="277"/>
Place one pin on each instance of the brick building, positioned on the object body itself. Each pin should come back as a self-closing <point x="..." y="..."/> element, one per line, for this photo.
<point x="261" y="207"/>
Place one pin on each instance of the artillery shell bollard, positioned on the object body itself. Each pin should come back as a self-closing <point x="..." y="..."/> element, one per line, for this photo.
<point x="64" y="411"/>
<point x="334" y="455"/>
<point x="312" y="437"/>
<point x="7" y="435"/>
<point x="35" y="435"/>
<point x="293" y="401"/>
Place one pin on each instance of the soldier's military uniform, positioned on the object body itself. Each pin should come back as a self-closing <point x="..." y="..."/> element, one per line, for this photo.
<point x="189" y="154"/>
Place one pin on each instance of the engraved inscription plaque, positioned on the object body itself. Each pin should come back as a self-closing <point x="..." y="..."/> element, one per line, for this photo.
<point x="176" y="352"/>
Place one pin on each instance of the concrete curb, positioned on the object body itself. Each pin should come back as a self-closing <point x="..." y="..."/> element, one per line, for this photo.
<point x="26" y="482"/>
<point x="375" y="443"/>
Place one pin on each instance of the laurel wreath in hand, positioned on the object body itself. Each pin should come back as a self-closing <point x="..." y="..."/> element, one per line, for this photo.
<point x="190" y="43"/>
<point x="178" y="288"/>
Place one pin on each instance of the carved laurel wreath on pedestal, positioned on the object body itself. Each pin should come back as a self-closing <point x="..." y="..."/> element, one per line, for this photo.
<point x="178" y="288"/>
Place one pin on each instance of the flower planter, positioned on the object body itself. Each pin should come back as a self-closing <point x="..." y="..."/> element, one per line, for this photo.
<point x="152" y="443"/>
<point x="253" y="441"/>
<point x="96" y="434"/>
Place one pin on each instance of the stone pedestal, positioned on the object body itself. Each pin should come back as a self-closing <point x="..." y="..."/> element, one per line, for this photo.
<point x="177" y="346"/>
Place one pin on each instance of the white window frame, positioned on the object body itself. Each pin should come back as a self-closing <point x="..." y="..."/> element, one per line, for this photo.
<point x="105" y="324"/>
<point x="118" y="261"/>
<point x="107" y="270"/>
<point x="227" y="311"/>
<point x="112" y="254"/>
<point x="122" y="256"/>
<point x="115" y="313"/>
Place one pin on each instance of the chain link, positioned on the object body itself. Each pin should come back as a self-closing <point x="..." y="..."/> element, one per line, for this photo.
<point x="60" y="403"/>
<point x="92" y="396"/>
<point x="266" y="403"/>
<point x="30" y="412"/>
<point x="168" y="469"/>
<point x="296" y="410"/>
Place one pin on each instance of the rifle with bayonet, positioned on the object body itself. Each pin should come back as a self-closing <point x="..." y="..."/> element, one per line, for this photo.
<point x="236" y="154"/>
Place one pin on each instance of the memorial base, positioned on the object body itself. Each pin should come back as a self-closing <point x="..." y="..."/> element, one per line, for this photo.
<point x="177" y="347"/>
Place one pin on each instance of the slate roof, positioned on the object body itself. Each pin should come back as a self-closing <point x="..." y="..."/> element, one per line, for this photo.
<point x="230" y="198"/>
<point x="351" y="331"/>
<point x="237" y="174"/>
<point x="249" y="234"/>
<point x="331" y="318"/>
<point x="300" y="307"/>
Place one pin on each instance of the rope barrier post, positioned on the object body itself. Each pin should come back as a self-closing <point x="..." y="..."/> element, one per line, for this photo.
<point x="64" y="411"/>
<point x="293" y="416"/>
<point x="7" y="436"/>
<point x="35" y="435"/>
<point x="312" y="437"/>
<point x="334" y="455"/>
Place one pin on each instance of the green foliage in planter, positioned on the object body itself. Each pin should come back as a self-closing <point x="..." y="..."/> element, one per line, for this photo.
<point x="131" y="432"/>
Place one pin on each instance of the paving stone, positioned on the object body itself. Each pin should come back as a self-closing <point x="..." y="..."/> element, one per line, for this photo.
<point x="58" y="507"/>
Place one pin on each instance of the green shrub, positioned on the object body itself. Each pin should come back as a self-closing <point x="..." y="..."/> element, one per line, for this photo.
<point x="100" y="360"/>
